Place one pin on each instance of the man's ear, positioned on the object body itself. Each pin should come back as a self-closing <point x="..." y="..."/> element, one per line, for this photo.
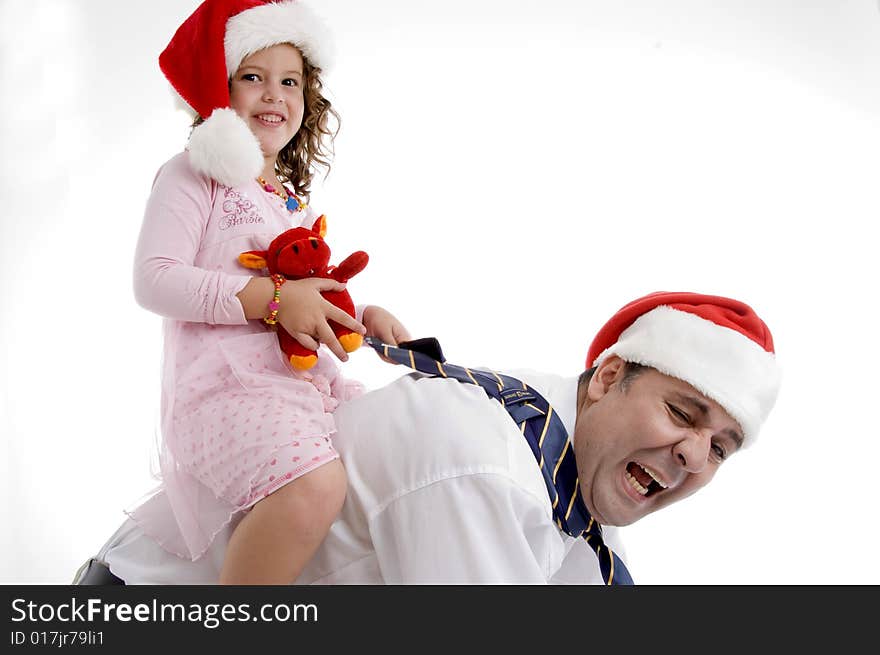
<point x="608" y="373"/>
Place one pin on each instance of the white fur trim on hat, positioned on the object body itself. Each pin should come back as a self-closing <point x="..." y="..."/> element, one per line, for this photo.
<point x="721" y="363"/>
<point x="274" y="23"/>
<point x="225" y="149"/>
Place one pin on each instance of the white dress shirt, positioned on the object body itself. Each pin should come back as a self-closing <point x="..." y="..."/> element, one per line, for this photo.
<point x="442" y="489"/>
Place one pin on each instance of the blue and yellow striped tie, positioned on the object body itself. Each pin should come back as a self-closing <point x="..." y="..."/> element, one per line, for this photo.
<point x="544" y="432"/>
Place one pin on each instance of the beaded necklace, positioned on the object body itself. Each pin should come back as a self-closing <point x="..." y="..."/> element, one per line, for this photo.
<point x="292" y="203"/>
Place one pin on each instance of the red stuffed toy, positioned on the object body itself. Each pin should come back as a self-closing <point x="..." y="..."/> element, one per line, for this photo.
<point x="302" y="253"/>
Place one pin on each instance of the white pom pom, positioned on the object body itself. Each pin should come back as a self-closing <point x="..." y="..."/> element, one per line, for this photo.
<point x="224" y="148"/>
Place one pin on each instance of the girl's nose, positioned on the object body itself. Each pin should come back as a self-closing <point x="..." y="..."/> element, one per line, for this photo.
<point x="271" y="93"/>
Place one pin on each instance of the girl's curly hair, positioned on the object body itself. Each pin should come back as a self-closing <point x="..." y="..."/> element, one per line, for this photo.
<point x="312" y="145"/>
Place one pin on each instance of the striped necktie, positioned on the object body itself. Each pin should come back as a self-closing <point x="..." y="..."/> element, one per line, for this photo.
<point x="544" y="432"/>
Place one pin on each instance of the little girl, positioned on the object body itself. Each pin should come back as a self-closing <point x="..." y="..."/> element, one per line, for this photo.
<point x="245" y="436"/>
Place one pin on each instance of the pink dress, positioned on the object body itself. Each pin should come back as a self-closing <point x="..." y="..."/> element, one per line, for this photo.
<point x="237" y="420"/>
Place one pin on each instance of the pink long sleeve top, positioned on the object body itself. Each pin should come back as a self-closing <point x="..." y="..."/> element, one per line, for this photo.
<point x="237" y="420"/>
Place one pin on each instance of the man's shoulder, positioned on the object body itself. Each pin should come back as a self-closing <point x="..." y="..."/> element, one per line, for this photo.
<point x="419" y="430"/>
<point x="424" y="413"/>
<point x="558" y="390"/>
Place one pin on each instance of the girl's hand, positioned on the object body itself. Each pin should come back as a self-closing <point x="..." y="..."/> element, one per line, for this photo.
<point x="305" y="313"/>
<point x="383" y="325"/>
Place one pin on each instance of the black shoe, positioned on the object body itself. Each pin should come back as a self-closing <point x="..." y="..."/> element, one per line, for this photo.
<point x="96" y="573"/>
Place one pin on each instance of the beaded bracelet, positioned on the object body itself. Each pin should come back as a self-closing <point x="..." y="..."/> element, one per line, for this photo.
<point x="275" y="303"/>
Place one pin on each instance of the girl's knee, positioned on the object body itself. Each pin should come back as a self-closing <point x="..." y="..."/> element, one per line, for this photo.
<point x="316" y="497"/>
<point x="326" y="486"/>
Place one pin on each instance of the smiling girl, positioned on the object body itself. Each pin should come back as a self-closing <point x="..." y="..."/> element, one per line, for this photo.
<point x="245" y="437"/>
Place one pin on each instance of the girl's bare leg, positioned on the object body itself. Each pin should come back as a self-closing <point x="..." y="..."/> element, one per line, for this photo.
<point x="275" y="540"/>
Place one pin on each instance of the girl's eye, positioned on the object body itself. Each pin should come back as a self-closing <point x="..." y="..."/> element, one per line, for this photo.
<point x="250" y="77"/>
<point x="719" y="451"/>
<point x="290" y="82"/>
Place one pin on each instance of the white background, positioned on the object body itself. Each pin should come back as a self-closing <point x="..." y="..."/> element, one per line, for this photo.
<point x="556" y="158"/>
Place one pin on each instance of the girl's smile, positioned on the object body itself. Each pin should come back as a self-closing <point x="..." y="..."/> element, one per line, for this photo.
<point x="271" y="119"/>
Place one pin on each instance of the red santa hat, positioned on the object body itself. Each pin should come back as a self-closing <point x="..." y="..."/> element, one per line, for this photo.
<point x="206" y="51"/>
<point x="717" y="345"/>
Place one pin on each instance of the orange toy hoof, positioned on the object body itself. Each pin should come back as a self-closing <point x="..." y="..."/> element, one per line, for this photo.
<point x="302" y="363"/>
<point x="351" y="342"/>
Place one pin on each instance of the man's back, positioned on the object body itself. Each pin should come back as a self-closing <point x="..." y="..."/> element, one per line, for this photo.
<point x="423" y="455"/>
<point x="443" y="488"/>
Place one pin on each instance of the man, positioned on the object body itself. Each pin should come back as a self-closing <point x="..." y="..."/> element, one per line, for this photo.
<point x="444" y="486"/>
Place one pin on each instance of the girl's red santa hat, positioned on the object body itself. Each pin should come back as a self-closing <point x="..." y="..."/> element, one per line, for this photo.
<point x="718" y="345"/>
<point x="206" y="51"/>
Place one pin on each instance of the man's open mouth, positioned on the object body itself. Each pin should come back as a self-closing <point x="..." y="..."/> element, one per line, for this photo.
<point x="643" y="480"/>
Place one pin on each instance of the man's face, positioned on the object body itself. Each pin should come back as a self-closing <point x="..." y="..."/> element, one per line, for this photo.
<point x="646" y="444"/>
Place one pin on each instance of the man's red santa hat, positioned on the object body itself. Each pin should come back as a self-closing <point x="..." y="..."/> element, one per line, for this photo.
<point x="206" y="51"/>
<point x="717" y="345"/>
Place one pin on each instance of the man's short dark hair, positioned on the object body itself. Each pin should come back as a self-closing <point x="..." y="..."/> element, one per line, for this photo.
<point x="630" y="372"/>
